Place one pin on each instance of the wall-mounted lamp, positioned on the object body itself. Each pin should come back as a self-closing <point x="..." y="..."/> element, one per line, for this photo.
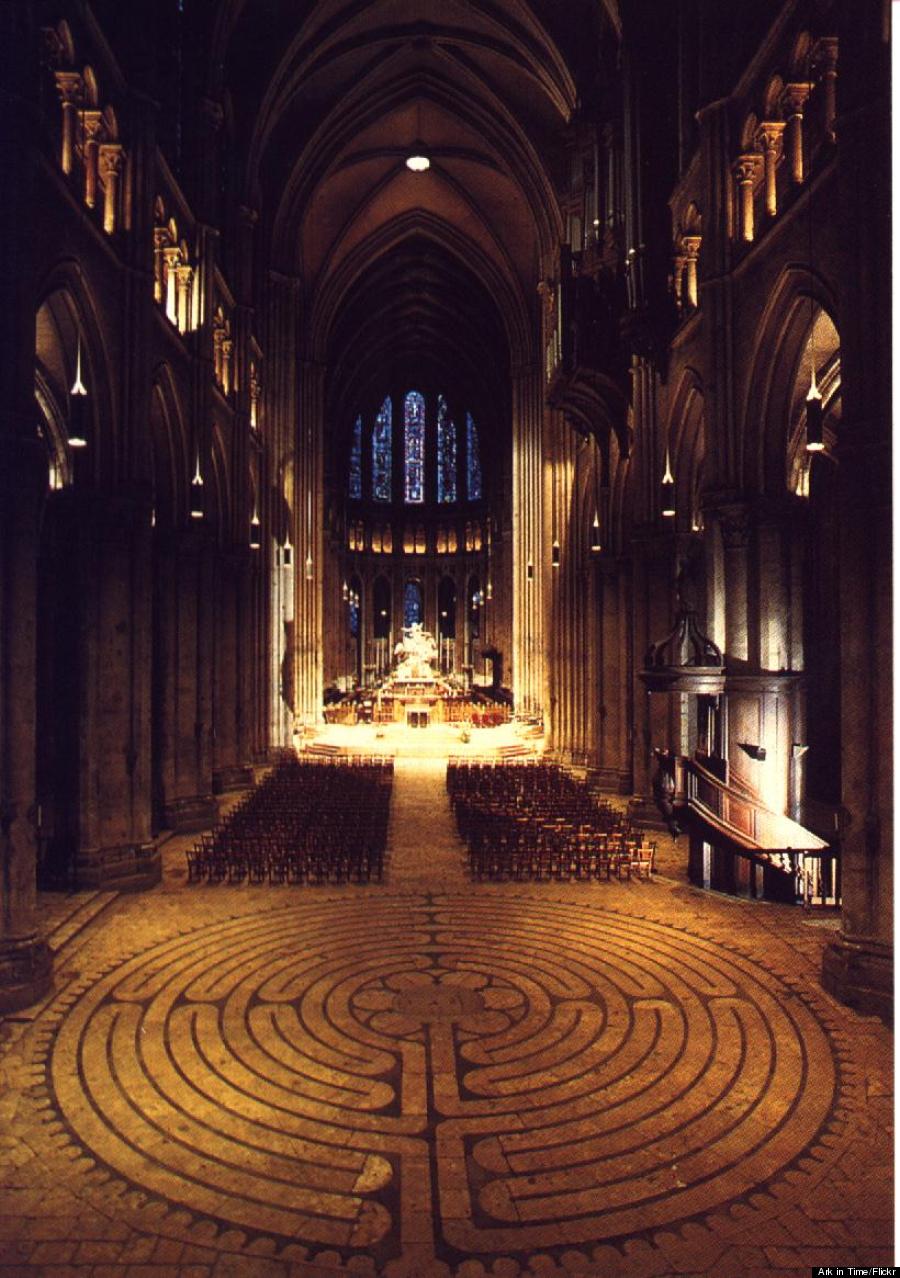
<point x="309" y="568"/>
<point x="554" y="554"/>
<point x="288" y="552"/>
<point x="255" y="539"/>
<point x="756" y="752"/>
<point x="596" y="544"/>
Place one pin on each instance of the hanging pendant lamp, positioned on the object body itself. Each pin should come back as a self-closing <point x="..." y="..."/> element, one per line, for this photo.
<point x="77" y="406"/>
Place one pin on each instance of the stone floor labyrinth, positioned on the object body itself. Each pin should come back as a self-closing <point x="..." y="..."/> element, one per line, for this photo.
<point x="421" y="1080"/>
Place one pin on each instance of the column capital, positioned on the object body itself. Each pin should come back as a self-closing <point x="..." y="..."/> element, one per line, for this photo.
<point x="769" y="135"/>
<point x="735" y="522"/>
<point x="691" y="246"/>
<point x="825" y="55"/>
<point x="92" y="124"/>
<point x="747" y="167"/>
<point x="112" y="159"/>
<point x="70" y="86"/>
<point x="794" y="97"/>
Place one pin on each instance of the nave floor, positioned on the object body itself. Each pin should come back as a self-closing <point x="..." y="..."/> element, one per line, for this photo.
<point x="433" y="1077"/>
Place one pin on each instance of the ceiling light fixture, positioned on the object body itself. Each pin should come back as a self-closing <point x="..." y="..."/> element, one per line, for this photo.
<point x="197" y="492"/>
<point x="77" y="406"/>
<point x="418" y="163"/>
<point x="667" y="490"/>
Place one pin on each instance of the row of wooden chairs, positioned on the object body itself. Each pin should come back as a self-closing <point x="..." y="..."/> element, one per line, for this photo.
<point x="527" y="820"/>
<point x="310" y="821"/>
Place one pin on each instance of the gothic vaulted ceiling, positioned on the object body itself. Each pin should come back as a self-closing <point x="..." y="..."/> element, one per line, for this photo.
<point x="424" y="278"/>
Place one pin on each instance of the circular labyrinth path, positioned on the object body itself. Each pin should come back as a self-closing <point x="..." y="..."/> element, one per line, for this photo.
<point x="469" y="1075"/>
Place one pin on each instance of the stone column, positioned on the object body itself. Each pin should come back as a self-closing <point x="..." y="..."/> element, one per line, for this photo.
<point x="691" y="244"/>
<point x="25" y="964"/>
<point x="793" y="101"/>
<point x="527" y="528"/>
<point x="745" y="170"/>
<point x="111" y="164"/>
<point x="172" y="258"/>
<point x="92" y="127"/>
<point x="769" y="140"/>
<point x="825" y="59"/>
<point x="111" y="545"/>
<point x="230" y="770"/>
<point x="71" y="91"/>
<point x="187" y="802"/>
<point x="858" y="965"/>
<point x="735" y="523"/>
<point x="310" y="543"/>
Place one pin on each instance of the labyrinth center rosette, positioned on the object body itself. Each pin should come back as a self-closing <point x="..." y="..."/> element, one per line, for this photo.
<point x="492" y="1074"/>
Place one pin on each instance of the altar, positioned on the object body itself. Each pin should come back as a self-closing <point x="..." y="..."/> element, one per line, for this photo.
<point x="414" y="692"/>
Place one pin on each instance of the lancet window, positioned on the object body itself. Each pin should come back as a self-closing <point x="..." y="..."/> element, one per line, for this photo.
<point x="446" y="451"/>
<point x="382" y="453"/>
<point x="414" y="447"/>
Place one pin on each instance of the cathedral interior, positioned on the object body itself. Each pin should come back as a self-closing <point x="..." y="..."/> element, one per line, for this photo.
<point x="445" y="638"/>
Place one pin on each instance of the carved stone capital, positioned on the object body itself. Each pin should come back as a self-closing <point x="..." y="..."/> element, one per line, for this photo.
<point x="92" y="125"/>
<point x="53" y="47"/>
<point x="690" y="245"/>
<point x="735" y="524"/>
<point x="112" y="159"/>
<point x="747" y="168"/>
<point x="825" y="55"/>
<point x="70" y="87"/>
<point x="769" y="135"/>
<point x="794" y="97"/>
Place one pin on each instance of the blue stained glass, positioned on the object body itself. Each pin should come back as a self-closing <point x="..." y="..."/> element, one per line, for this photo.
<point x="413" y="611"/>
<point x="446" y="447"/>
<point x="414" y="440"/>
<point x="353" y="607"/>
<point x="474" y="459"/>
<point x="355" y="482"/>
<point x="381" y="453"/>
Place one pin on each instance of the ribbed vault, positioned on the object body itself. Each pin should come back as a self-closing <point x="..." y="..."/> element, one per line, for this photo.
<point x="407" y="279"/>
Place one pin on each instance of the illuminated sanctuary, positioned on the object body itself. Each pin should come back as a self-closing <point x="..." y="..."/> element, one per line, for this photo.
<point x="446" y="757"/>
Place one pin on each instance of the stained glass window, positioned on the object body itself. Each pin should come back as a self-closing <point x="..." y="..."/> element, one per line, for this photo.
<point x="355" y="482"/>
<point x="353" y="608"/>
<point x="412" y="604"/>
<point x="446" y="448"/>
<point x="414" y="440"/>
<point x="381" y="453"/>
<point x="474" y="458"/>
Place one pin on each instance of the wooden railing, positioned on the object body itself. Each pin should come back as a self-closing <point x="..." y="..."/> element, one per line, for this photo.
<point x="751" y="829"/>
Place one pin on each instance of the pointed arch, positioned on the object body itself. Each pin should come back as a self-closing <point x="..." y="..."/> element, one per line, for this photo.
<point x="67" y="316"/>
<point x="168" y="466"/>
<point x="780" y="349"/>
